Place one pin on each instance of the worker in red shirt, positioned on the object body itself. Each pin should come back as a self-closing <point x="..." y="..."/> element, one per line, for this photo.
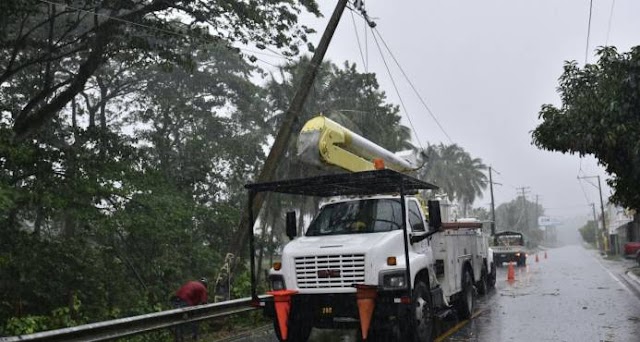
<point x="190" y="294"/>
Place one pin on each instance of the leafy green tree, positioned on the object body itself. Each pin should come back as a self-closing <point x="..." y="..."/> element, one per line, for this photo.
<point x="56" y="48"/>
<point x="520" y="215"/>
<point x="588" y="232"/>
<point x="599" y="115"/>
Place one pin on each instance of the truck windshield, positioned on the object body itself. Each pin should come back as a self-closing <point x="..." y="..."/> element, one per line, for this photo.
<point x="509" y="240"/>
<point x="355" y="217"/>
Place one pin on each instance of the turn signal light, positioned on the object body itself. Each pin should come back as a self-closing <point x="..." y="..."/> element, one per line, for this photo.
<point x="391" y="261"/>
<point x="277" y="266"/>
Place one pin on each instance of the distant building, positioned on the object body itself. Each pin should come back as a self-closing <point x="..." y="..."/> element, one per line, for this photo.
<point x="621" y="227"/>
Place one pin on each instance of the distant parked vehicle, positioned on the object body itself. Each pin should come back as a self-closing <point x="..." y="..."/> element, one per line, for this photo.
<point x="631" y="249"/>
<point x="509" y="246"/>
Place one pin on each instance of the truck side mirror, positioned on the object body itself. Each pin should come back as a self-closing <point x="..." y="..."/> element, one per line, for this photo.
<point x="291" y="225"/>
<point x="435" y="220"/>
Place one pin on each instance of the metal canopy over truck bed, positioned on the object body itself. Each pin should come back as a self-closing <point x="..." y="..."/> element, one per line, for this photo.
<point x="344" y="184"/>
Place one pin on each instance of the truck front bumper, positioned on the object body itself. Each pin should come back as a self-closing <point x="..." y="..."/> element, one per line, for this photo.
<point x="341" y="310"/>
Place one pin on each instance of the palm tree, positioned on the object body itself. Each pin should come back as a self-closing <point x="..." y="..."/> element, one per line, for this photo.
<point x="457" y="174"/>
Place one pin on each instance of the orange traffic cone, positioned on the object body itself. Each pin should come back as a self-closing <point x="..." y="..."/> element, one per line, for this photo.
<point x="545" y="254"/>
<point x="537" y="259"/>
<point x="511" y="273"/>
<point x="282" y="301"/>
<point x="366" y="296"/>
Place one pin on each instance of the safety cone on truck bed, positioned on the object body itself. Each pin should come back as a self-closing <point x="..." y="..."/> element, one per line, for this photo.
<point x="511" y="273"/>
<point x="366" y="296"/>
<point x="282" y="302"/>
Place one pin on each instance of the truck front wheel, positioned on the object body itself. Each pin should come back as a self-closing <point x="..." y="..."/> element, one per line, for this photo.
<point x="423" y="312"/>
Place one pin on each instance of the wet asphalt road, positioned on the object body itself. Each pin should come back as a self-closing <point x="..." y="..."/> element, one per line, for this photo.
<point x="573" y="295"/>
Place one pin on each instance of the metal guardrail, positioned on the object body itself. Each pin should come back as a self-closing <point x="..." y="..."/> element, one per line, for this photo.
<point x="122" y="327"/>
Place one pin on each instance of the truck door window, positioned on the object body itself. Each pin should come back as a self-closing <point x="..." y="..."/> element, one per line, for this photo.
<point x="415" y="219"/>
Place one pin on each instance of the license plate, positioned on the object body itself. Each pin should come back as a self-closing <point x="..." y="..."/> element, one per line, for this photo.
<point x="503" y="255"/>
<point x="327" y="310"/>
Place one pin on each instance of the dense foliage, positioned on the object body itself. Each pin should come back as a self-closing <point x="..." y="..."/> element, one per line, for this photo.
<point x="600" y="115"/>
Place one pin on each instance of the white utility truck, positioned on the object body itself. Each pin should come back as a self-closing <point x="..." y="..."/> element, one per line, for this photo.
<point x="374" y="257"/>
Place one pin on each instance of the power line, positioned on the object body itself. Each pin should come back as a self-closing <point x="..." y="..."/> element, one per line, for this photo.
<point x="397" y="92"/>
<point x="411" y="84"/>
<point x="613" y="4"/>
<point x="355" y="29"/>
<point x="586" y="51"/>
<point x="584" y="192"/>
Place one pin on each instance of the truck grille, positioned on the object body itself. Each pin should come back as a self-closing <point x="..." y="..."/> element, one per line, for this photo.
<point x="329" y="271"/>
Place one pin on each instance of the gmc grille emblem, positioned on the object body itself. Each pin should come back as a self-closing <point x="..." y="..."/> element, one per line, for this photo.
<point x="328" y="273"/>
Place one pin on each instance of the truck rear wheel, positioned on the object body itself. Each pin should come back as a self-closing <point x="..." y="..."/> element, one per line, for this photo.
<point x="467" y="296"/>
<point x="483" y="283"/>
<point x="492" y="276"/>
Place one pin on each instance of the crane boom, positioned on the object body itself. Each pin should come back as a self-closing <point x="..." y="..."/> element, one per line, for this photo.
<point x="323" y="142"/>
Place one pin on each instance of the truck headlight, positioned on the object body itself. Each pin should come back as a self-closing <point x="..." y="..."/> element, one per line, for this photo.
<point x="277" y="282"/>
<point x="394" y="280"/>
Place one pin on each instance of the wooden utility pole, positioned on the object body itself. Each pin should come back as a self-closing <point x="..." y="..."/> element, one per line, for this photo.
<point x="605" y="245"/>
<point x="493" y="204"/>
<point x="524" y="207"/>
<point x="595" y="223"/>
<point x="284" y="133"/>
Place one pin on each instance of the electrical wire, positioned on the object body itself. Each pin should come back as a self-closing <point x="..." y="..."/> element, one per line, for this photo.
<point x="397" y="92"/>
<point x="584" y="192"/>
<point x="424" y="103"/>
<point x="355" y="29"/>
<point x="586" y="51"/>
<point x="613" y="4"/>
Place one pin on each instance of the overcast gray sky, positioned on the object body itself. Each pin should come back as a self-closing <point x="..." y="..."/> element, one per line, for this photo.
<point x="485" y="68"/>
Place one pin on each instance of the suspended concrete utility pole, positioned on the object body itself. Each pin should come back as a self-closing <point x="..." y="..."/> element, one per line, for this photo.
<point x="284" y="133"/>
<point x="493" y="203"/>
<point x="604" y="223"/>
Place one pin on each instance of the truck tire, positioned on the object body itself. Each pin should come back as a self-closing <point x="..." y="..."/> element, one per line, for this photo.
<point x="467" y="296"/>
<point x="422" y="306"/>
<point x="522" y="261"/>
<point x="483" y="284"/>
<point x="419" y="326"/>
<point x="300" y="326"/>
<point x="492" y="277"/>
